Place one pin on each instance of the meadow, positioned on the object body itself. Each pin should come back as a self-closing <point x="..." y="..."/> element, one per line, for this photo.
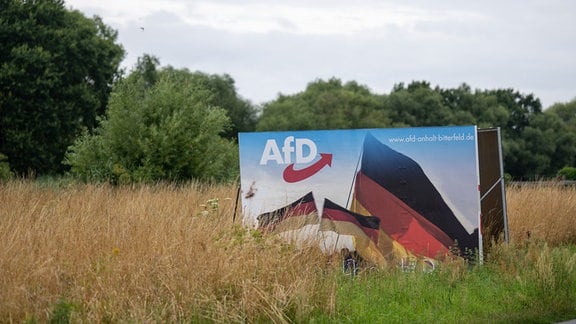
<point x="176" y="253"/>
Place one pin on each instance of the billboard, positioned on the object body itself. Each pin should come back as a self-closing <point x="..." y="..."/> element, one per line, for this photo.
<point x="384" y="193"/>
<point x="492" y="188"/>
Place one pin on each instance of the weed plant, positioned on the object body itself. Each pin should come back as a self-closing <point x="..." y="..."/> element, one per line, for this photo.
<point x="166" y="253"/>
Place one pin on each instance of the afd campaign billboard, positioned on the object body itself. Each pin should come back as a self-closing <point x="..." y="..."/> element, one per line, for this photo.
<point x="384" y="193"/>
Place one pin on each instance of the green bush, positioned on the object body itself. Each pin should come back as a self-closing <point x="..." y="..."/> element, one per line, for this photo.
<point x="61" y="312"/>
<point x="567" y="173"/>
<point x="163" y="131"/>
<point x="5" y="173"/>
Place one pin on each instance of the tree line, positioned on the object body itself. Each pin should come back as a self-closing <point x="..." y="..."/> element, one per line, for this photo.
<point x="66" y="107"/>
<point x="536" y="143"/>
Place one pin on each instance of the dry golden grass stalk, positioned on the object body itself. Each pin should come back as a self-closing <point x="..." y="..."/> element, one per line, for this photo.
<point x="172" y="253"/>
<point x="146" y="253"/>
<point x="544" y="211"/>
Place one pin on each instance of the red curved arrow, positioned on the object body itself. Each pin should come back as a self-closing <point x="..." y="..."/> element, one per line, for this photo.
<point x="291" y="175"/>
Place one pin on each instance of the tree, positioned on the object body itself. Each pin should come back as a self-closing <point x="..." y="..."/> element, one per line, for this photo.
<point x="535" y="143"/>
<point x="222" y="87"/>
<point x="417" y="105"/>
<point x="474" y="108"/>
<point x="241" y="112"/>
<point x="325" y="105"/>
<point x="565" y="154"/>
<point x="566" y="112"/>
<point x="147" y="68"/>
<point x="57" y="68"/>
<point x="544" y="147"/>
<point x="520" y="107"/>
<point x="168" y="130"/>
<point x="459" y="101"/>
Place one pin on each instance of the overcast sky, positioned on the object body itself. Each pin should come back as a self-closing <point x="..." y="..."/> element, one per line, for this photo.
<point x="271" y="46"/>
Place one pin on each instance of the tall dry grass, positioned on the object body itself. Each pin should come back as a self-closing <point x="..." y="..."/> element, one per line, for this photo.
<point x="543" y="211"/>
<point x="149" y="253"/>
<point x="146" y="253"/>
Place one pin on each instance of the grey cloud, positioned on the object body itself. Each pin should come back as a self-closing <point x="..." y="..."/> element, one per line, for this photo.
<point x="526" y="45"/>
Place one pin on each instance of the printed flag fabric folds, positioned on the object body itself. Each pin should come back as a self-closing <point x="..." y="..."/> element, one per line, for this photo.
<point x="396" y="213"/>
<point x="364" y="232"/>
<point x="394" y="188"/>
<point x="301" y="207"/>
<point x="297" y="222"/>
<point x="408" y="228"/>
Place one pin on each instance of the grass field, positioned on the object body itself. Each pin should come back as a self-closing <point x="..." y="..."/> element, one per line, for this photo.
<point x="164" y="253"/>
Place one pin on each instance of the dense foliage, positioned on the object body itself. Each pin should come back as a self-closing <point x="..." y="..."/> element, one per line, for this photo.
<point x="536" y="143"/>
<point x="242" y="113"/>
<point x="158" y="128"/>
<point x="5" y="173"/>
<point x="325" y="105"/>
<point x="57" y="68"/>
<point x="567" y="173"/>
